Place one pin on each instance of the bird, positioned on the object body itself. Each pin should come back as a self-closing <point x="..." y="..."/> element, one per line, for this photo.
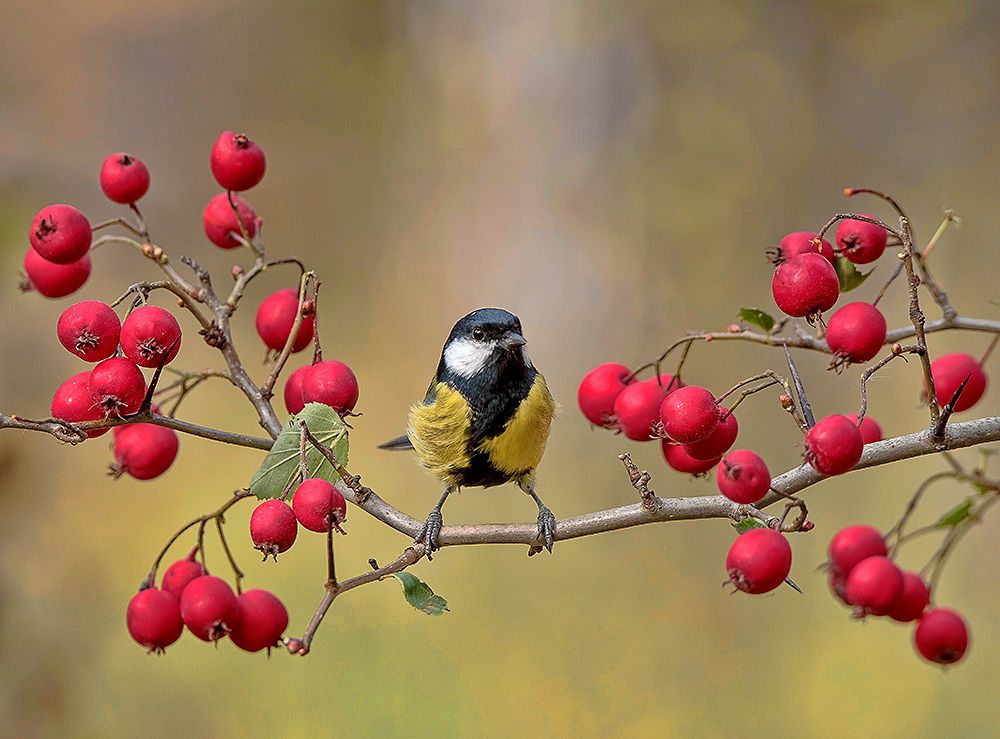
<point x="485" y="418"/>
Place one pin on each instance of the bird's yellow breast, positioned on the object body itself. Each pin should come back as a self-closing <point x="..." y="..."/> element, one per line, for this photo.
<point x="440" y="434"/>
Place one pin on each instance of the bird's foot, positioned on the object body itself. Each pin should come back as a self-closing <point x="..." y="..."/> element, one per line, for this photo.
<point x="428" y="535"/>
<point x="546" y="530"/>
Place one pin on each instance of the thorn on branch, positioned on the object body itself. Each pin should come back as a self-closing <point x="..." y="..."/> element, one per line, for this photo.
<point x="640" y="481"/>
<point x="947" y="412"/>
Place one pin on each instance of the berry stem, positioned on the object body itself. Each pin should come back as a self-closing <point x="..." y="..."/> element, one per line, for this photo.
<point x="237" y="572"/>
<point x="989" y="350"/>
<point x="897" y="351"/>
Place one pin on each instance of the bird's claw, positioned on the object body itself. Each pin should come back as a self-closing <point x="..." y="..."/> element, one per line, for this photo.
<point x="546" y="530"/>
<point x="429" y="534"/>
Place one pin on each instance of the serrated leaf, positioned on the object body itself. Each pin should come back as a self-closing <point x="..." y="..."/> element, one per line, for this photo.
<point x="955" y="516"/>
<point x="849" y="275"/>
<point x="757" y="317"/>
<point x="419" y="594"/>
<point x="744" y="525"/>
<point x="281" y="464"/>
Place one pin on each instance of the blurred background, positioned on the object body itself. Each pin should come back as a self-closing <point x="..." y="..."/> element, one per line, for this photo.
<point x="611" y="172"/>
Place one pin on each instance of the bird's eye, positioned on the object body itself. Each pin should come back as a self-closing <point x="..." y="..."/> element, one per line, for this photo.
<point x="478" y="334"/>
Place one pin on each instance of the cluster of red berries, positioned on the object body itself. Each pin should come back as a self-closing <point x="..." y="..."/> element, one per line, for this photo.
<point x="863" y="576"/>
<point x="316" y="504"/>
<point x="189" y="596"/>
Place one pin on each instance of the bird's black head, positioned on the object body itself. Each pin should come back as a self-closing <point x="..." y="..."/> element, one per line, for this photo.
<point x="486" y="339"/>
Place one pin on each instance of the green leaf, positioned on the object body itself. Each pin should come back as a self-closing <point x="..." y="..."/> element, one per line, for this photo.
<point x="281" y="464"/>
<point x="744" y="525"/>
<point x="758" y="318"/>
<point x="955" y="516"/>
<point x="419" y="594"/>
<point x="849" y="275"/>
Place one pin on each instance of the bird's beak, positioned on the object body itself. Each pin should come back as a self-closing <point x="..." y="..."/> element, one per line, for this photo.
<point x="512" y="340"/>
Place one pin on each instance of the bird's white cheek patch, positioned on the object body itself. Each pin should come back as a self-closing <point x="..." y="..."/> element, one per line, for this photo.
<point x="466" y="357"/>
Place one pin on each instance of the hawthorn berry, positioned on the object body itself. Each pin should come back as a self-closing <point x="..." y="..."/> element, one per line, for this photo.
<point x="637" y="406"/>
<point x="275" y="318"/>
<point x="873" y="585"/>
<point x="853" y="544"/>
<point x="689" y="414"/>
<point x="332" y="383"/>
<point x="759" y="561"/>
<point x="55" y="280"/>
<point x="318" y="505"/>
<point x="143" y="450"/>
<point x="209" y="608"/>
<point x="263" y="619"/>
<point x="90" y="330"/>
<point x="912" y="600"/>
<point x="743" y="477"/>
<point x="719" y="441"/>
<point x="72" y="403"/>
<point x="869" y="428"/>
<point x="860" y="241"/>
<point x="153" y="618"/>
<point x="941" y="636"/>
<point x="678" y="458"/>
<point x="856" y="332"/>
<point x="219" y="221"/>
<point x="124" y="179"/>
<point x="949" y="371"/>
<point x="148" y="334"/>
<point x="117" y="386"/>
<point x="237" y="162"/>
<point x="805" y="285"/>
<point x="182" y="572"/>
<point x="293" y="390"/>
<point x="598" y="390"/>
<point x="273" y="527"/>
<point x="834" y="445"/>
<point x="60" y="234"/>
<point x="803" y="242"/>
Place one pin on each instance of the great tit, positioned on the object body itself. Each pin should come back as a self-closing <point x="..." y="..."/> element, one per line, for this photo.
<point x="485" y="418"/>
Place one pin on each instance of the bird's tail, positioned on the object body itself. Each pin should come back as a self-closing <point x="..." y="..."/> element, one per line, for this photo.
<point x="400" y="443"/>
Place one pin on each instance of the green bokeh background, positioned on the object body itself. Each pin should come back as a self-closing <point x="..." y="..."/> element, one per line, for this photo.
<point x="609" y="171"/>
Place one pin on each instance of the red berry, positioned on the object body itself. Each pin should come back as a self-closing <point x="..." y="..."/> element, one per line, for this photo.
<point x="273" y="527"/>
<point x="852" y="545"/>
<point x="153" y="618"/>
<point x="293" y="390"/>
<point x="275" y="318"/>
<point x="598" y="391"/>
<point x="148" y="334"/>
<point x="719" y="441"/>
<point x="856" y="332"/>
<point x="117" y="387"/>
<point x="679" y="459"/>
<point x="873" y="586"/>
<point x="833" y="445"/>
<point x="90" y="330"/>
<point x="801" y="242"/>
<point x="124" y="179"/>
<point x="743" y="477"/>
<point x="55" y="280"/>
<point x="949" y="371"/>
<point x="209" y="608"/>
<point x="912" y="600"/>
<point x="72" y="402"/>
<point x="180" y="573"/>
<point x="805" y="285"/>
<point x="689" y="414"/>
<point x="237" y="162"/>
<point x="318" y="504"/>
<point x="219" y="221"/>
<point x="869" y="428"/>
<point x="263" y="619"/>
<point x="759" y="561"/>
<point x="636" y="408"/>
<point x="860" y="241"/>
<point x="941" y="636"/>
<point x="60" y="234"/>
<point x="143" y="450"/>
<point x="332" y="383"/>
